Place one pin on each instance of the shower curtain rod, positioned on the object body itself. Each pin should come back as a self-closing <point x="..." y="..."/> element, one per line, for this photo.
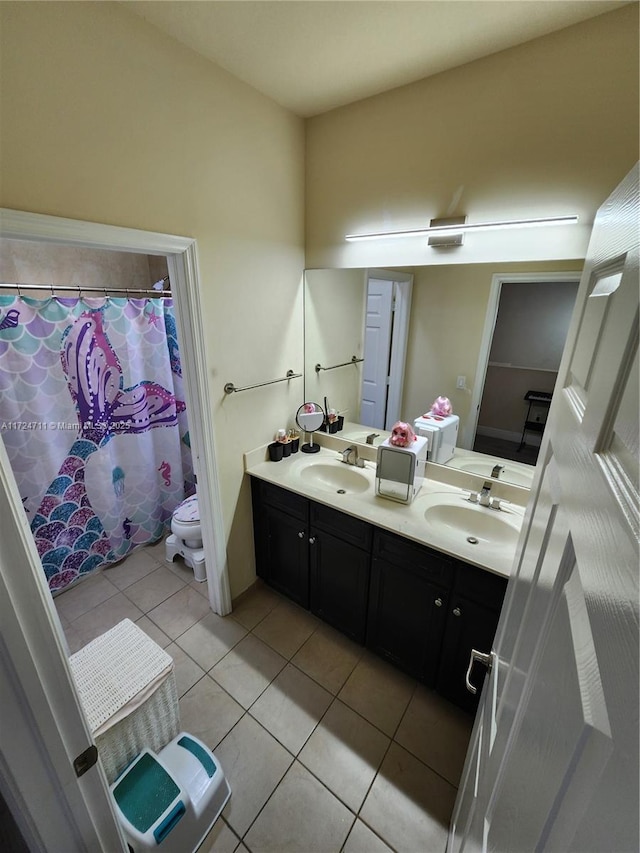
<point x="77" y="288"/>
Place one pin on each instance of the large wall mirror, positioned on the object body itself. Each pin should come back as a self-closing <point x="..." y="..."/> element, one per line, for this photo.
<point x="480" y="334"/>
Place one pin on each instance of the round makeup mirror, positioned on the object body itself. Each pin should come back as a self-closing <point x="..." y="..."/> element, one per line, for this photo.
<point x="310" y="417"/>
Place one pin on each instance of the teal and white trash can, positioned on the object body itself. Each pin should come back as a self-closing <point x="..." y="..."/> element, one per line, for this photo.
<point x="170" y="800"/>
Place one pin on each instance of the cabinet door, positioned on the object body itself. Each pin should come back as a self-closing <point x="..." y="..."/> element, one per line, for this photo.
<point x="406" y="618"/>
<point x="339" y="583"/>
<point x="469" y="626"/>
<point x="285" y="561"/>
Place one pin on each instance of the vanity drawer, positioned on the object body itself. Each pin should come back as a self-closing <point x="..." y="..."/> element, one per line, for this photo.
<point x="342" y="526"/>
<point x="283" y="499"/>
<point x="412" y="556"/>
<point x="480" y="586"/>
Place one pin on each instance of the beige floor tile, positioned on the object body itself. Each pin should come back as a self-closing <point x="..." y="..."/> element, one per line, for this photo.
<point x="187" y="671"/>
<point x="152" y="630"/>
<point x="221" y="839"/>
<point x="241" y="849"/>
<point x="379" y="692"/>
<point x="437" y="733"/>
<point x="254" y="604"/>
<point x="248" y="670"/>
<point x="179" y="612"/>
<point x="181" y="569"/>
<point x="158" y="551"/>
<point x="345" y="752"/>
<point x="200" y="587"/>
<point x="133" y="568"/>
<point x="254" y="763"/>
<point x="300" y="816"/>
<point x="328" y="657"/>
<point x="208" y="712"/>
<point x="86" y="595"/>
<point x="95" y="622"/>
<point x="211" y="637"/>
<point x="291" y="707"/>
<point x="286" y="628"/>
<point x="362" y="840"/>
<point x="409" y="806"/>
<point x="153" y="589"/>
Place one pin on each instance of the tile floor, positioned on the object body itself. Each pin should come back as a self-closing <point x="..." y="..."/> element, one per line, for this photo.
<point x="326" y="747"/>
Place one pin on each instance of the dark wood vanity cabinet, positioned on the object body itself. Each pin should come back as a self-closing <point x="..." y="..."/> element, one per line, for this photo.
<point x="419" y="609"/>
<point x="472" y="619"/>
<point x="317" y="556"/>
<point x="408" y="600"/>
<point x="281" y="530"/>
<point x="340" y="548"/>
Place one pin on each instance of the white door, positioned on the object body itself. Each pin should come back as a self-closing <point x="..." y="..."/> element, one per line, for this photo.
<point x="553" y="760"/>
<point x="377" y="348"/>
<point x="42" y="727"/>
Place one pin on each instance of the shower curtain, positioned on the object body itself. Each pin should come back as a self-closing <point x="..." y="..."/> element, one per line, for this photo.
<point x="93" y="417"/>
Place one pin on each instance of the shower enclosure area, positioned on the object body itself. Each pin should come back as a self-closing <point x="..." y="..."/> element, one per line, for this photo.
<point x="92" y="409"/>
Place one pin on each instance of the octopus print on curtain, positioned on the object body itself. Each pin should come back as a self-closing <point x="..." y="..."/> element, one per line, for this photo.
<point x="93" y="417"/>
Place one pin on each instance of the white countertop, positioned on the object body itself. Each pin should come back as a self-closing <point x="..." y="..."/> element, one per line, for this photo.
<point x="426" y="520"/>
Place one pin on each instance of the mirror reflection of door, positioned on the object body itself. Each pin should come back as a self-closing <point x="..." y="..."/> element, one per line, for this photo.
<point x="528" y="339"/>
<point x="377" y="352"/>
<point x="385" y="342"/>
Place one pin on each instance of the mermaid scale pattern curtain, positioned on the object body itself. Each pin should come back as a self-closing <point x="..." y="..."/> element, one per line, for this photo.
<point x="93" y="417"/>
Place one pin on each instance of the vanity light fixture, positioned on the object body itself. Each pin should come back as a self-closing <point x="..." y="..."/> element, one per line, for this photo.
<point x="455" y="227"/>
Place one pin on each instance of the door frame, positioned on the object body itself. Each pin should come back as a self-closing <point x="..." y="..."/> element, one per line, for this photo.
<point x="403" y="288"/>
<point x="497" y="280"/>
<point x="182" y="262"/>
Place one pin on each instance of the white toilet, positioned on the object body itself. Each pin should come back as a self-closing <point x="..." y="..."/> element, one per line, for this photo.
<point x="186" y="538"/>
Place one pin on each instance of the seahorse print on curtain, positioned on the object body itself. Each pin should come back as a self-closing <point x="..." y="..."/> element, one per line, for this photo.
<point x="128" y="464"/>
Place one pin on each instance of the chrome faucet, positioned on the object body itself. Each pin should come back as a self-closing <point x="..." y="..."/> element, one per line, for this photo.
<point x="496" y="471"/>
<point x="372" y="437"/>
<point x="485" y="499"/>
<point x="350" y="457"/>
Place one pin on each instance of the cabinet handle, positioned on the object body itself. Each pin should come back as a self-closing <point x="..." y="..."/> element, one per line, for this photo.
<point x="480" y="657"/>
<point x="457" y="611"/>
<point x="312" y="540"/>
<point x="438" y="602"/>
<point x="301" y="534"/>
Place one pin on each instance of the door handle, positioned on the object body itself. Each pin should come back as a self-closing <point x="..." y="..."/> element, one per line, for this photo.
<point x="477" y="657"/>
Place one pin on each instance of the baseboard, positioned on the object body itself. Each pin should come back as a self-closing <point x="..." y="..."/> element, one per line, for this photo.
<point x="532" y="439"/>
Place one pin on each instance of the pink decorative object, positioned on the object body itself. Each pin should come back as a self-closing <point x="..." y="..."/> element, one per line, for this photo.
<point x="441" y="406"/>
<point x="402" y="434"/>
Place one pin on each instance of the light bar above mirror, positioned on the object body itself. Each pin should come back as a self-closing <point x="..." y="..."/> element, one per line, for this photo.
<point x="459" y="225"/>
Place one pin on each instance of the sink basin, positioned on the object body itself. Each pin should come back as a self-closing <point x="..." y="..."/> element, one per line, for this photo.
<point x="472" y="524"/>
<point x="335" y="477"/>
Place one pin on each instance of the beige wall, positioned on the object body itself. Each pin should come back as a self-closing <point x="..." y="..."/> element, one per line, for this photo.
<point x="106" y="119"/>
<point x="334" y="307"/>
<point x="548" y="127"/>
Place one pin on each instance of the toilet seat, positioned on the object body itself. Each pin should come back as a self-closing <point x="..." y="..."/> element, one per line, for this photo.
<point x="185" y="522"/>
<point x="186" y="537"/>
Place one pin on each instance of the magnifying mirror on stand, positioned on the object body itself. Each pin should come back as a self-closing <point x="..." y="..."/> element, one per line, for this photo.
<point x="310" y="417"/>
